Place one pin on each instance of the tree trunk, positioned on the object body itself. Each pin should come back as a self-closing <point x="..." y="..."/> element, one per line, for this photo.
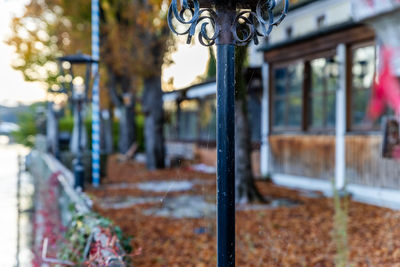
<point x="126" y="124"/>
<point x="154" y="118"/>
<point x="120" y="90"/>
<point x="246" y="190"/>
<point x="106" y="140"/>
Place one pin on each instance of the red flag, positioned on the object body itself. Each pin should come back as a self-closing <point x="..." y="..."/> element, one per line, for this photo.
<point x="386" y="90"/>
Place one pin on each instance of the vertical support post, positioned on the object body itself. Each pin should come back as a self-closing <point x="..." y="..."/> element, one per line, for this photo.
<point x="264" y="157"/>
<point x="18" y="197"/>
<point x="178" y="118"/>
<point x="225" y="140"/>
<point x="78" y="167"/>
<point x="95" y="94"/>
<point x="226" y="155"/>
<point x="340" y="151"/>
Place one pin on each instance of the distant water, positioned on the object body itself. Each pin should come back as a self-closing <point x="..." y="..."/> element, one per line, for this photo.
<point x="8" y="207"/>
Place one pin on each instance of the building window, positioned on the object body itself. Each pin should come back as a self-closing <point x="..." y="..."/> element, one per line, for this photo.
<point x="254" y="115"/>
<point x="170" y="125"/>
<point x="322" y="94"/>
<point x="208" y="120"/>
<point x="363" y="69"/>
<point x="303" y="93"/>
<point x="188" y="120"/>
<point x="287" y="96"/>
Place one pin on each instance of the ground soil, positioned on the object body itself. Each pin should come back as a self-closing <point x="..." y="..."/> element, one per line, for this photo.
<point x="300" y="235"/>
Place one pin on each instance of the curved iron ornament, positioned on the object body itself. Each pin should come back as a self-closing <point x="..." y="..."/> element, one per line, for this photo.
<point x="247" y="25"/>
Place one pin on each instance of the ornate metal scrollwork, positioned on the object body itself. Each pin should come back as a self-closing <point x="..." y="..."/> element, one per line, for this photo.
<point x="196" y="16"/>
<point x="247" y="25"/>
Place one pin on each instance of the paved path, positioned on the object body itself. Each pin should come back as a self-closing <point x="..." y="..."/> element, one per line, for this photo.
<point x="8" y="203"/>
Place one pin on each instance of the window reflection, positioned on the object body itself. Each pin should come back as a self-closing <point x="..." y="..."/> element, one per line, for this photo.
<point x="254" y="115"/>
<point x="324" y="80"/>
<point x="170" y="125"/>
<point x="188" y="120"/>
<point x="362" y="77"/>
<point x="288" y="95"/>
<point x="207" y="119"/>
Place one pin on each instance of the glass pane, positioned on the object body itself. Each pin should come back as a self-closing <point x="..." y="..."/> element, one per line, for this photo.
<point x="188" y="125"/>
<point x="295" y="78"/>
<point x="207" y="120"/>
<point x="363" y="67"/>
<point x="332" y="83"/>
<point x="188" y="120"/>
<point x="333" y="73"/>
<point x="254" y="113"/>
<point x="170" y="120"/>
<point x="317" y="111"/>
<point x="288" y="86"/>
<point x="363" y="73"/>
<point x="294" y="116"/>
<point x="324" y="74"/>
<point x="280" y="81"/>
<point x="279" y="113"/>
<point x="360" y="100"/>
<point x="331" y="110"/>
<point x="318" y="74"/>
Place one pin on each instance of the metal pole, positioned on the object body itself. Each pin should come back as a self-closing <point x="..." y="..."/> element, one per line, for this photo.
<point x="227" y="32"/>
<point x="78" y="168"/>
<point x="95" y="94"/>
<point x="225" y="141"/>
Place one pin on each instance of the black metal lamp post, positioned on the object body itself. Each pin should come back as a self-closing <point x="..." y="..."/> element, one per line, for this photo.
<point x="78" y="91"/>
<point x="230" y="23"/>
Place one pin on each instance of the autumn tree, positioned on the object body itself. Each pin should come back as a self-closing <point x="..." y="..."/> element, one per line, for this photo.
<point x="246" y="190"/>
<point x="134" y="37"/>
<point x="39" y="36"/>
<point x="155" y="40"/>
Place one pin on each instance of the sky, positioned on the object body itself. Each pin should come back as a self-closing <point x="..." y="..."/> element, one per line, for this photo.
<point x="13" y="88"/>
<point x="189" y="62"/>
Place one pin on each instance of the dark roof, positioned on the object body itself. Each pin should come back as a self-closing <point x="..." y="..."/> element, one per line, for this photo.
<point x="78" y="58"/>
<point x="185" y="89"/>
<point x="319" y="33"/>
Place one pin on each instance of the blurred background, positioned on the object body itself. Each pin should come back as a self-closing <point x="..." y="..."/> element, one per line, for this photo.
<point x="108" y="125"/>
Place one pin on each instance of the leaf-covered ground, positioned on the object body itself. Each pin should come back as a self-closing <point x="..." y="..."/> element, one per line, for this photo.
<point x="300" y="235"/>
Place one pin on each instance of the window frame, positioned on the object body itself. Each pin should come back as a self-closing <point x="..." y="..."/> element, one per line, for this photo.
<point x="325" y="128"/>
<point x="351" y="126"/>
<point x="307" y="95"/>
<point x="285" y="98"/>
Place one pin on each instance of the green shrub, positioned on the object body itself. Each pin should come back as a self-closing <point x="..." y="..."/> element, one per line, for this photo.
<point x="27" y="122"/>
<point x="66" y="124"/>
